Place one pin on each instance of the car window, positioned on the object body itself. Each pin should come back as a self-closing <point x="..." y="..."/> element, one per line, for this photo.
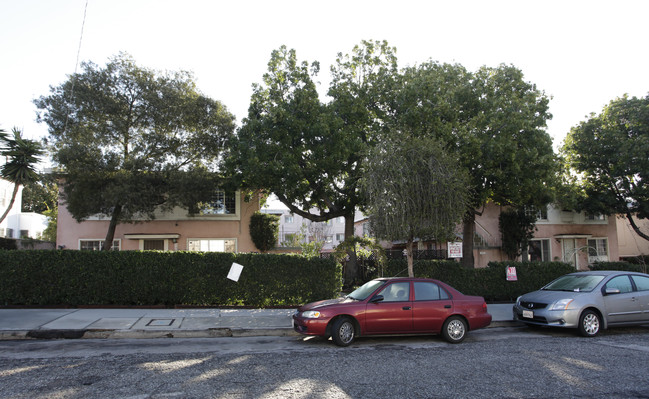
<point x="429" y="292"/>
<point x="575" y="282"/>
<point x="396" y="292"/>
<point x="641" y="282"/>
<point x="361" y="293"/>
<point x="622" y="283"/>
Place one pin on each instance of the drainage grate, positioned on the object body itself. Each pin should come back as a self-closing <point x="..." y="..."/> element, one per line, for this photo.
<point x="160" y="322"/>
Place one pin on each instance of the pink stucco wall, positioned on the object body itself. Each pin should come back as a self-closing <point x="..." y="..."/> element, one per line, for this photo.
<point x="70" y="232"/>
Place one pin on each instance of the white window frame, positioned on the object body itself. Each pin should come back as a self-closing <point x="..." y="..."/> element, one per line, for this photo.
<point x="600" y="245"/>
<point x="101" y="244"/>
<point x="211" y="242"/>
<point x="549" y="248"/>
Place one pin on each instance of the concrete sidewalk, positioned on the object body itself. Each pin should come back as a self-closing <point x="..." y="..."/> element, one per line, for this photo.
<point x="163" y="323"/>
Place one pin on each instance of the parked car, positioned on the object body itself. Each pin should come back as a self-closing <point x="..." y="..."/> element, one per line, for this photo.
<point x="589" y="301"/>
<point x="394" y="306"/>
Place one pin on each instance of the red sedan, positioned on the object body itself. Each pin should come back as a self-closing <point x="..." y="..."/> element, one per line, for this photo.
<point x="394" y="306"/>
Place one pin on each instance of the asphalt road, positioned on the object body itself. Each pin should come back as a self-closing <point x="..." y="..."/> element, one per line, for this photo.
<point x="490" y="363"/>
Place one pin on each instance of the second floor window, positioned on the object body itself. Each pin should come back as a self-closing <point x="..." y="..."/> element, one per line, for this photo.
<point x="540" y="214"/>
<point x="222" y="203"/>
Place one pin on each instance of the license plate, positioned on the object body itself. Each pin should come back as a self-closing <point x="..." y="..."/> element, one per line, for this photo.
<point x="528" y="314"/>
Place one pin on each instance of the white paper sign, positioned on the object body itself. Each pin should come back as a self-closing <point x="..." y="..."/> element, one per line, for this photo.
<point x="235" y="272"/>
<point x="454" y="249"/>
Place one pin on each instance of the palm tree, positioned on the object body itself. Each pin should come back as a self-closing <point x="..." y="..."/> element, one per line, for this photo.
<point x="21" y="157"/>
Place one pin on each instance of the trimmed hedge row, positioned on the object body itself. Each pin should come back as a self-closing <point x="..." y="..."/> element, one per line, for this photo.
<point x="163" y="278"/>
<point x="632" y="267"/>
<point x="490" y="282"/>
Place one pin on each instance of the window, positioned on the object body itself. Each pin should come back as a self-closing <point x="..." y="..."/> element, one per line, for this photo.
<point x="366" y="230"/>
<point x="288" y="218"/>
<point x="24" y="233"/>
<point x="597" y="250"/>
<point x="622" y="283"/>
<point x="222" y="203"/>
<point x="396" y="292"/>
<point x="539" y="250"/>
<point x="329" y="239"/>
<point x="211" y="245"/>
<point x="540" y="214"/>
<point x="595" y="217"/>
<point x="429" y="292"/>
<point x="340" y="237"/>
<point x="641" y="282"/>
<point x="154" y="245"/>
<point x="10" y="233"/>
<point x="96" y="245"/>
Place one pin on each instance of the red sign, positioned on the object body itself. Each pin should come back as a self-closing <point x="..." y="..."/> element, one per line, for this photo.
<point x="511" y="274"/>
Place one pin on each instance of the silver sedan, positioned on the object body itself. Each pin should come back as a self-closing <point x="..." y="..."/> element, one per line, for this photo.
<point x="589" y="301"/>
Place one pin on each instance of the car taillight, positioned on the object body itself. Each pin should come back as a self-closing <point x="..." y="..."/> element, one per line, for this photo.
<point x="484" y="306"/>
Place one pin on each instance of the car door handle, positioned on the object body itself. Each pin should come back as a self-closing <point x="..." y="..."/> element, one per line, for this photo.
<point x="406" y="308"/>
<point x="447" y="306"/>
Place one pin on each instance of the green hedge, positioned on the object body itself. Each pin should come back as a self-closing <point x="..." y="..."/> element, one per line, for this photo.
<point x="490" y="282"/>
<point x="627" y="266"/>
<point x="75" y="278"/>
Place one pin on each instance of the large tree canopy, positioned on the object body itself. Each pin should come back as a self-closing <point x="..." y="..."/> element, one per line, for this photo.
<point x="122" y="134"/>
<point x="610" y="153"/>
<point x="308" y="152"/>
<point x="494" y="122"/>
<point x="414" y="190"/>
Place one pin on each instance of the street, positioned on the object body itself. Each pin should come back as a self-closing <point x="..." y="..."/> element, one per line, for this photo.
<point x="509" y="362"/>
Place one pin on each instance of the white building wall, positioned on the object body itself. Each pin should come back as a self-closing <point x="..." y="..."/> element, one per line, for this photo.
<point x="32" y="224"/>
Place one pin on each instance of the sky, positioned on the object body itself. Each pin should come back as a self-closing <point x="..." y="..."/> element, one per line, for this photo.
<point x="582" y="54"/>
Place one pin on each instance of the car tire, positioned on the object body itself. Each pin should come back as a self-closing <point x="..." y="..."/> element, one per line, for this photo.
<point x="590" y="323"/>
<point x="343" y="331"/>
<point x="454" y="329"/>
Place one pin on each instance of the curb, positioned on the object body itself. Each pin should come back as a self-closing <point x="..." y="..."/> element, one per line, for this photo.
<point x="152" y="334"/>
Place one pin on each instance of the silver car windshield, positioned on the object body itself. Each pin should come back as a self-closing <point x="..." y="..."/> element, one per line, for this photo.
<point x="365" y="290"/>
<point x="575" y="283"/>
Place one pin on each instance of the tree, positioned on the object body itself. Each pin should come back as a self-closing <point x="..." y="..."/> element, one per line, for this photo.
<point x="264" y="230"/>
<point x="414" y="191"/>
<point x="494" y="122"/>
<point x="308" y="153"/>
<point x="130" y="140"/>
<point x="40" y="195"/>
<point x="517" y="228"/>
<point x="22" y="157"/>
<point x="610" y="154"/>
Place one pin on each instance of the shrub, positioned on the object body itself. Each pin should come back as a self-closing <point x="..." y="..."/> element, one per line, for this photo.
<point x="162" y="278"/>
<point x="264" y="230"/>
<point x="489" y="282"/>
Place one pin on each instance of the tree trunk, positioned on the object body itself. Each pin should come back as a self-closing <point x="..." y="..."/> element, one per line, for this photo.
<point x="467" y="241"/>
<point x="411" y="268"/>
<point x="110" y="235"/>
<point x="633" y="225"/>
<point x="351" y="269"/>
<point x="11" y="203"/>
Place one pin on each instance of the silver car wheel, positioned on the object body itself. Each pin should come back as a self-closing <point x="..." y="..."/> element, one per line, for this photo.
<point x="343" y="332"/>
<point x="590" y="324"/>
<point x="346" y="332"/>
<point x="456" y="329"/>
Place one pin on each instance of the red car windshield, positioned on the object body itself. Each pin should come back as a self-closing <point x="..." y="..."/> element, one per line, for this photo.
<point x="362" y="292"/>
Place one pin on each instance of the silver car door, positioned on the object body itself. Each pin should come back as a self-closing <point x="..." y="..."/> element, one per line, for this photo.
<point x="642" y="287"/>
<point x="622" y="307"/>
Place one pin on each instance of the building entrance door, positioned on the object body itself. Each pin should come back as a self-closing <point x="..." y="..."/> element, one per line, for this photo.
<point x="569" y="247"/>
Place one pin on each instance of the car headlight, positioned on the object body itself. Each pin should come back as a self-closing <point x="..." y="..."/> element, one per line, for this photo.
<point x="518" y="301"/>
<point x="561" y="304"/>
<point x="311" y="314"/>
